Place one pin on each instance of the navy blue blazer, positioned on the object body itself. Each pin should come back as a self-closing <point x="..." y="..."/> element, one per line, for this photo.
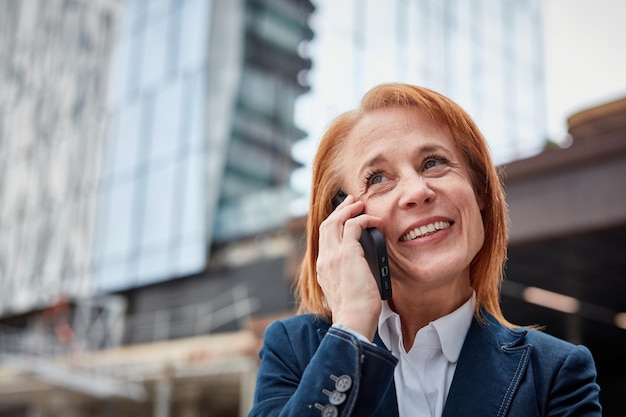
<point x="310" y="369"/>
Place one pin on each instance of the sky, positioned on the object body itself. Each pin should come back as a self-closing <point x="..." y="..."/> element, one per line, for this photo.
<point x="585" y="57"/>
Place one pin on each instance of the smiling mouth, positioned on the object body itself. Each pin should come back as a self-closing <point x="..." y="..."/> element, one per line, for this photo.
<point x="425" y="230"/>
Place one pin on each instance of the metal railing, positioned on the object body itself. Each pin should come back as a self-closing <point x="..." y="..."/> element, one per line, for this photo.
<point x="233" y="305"/>
<point x="99" y="324"/>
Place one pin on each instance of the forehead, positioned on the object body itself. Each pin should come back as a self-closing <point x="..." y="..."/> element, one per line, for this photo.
<point x="403" y="126"/>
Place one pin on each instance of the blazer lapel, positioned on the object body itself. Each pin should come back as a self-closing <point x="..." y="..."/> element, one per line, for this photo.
<point x="490" y="367"/>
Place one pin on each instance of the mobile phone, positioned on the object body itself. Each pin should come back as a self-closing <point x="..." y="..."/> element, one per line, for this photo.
<point x="375" y="250"/>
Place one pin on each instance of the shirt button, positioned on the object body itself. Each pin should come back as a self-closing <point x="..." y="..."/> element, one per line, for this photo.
<point x="343" y="383"/>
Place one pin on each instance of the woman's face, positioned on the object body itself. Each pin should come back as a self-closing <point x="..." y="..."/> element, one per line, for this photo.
<point x="410" y="173"/>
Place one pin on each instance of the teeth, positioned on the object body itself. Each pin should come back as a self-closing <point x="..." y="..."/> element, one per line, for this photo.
<point x="425" y="230"/>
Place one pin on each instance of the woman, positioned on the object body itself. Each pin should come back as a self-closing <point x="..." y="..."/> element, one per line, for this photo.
<point x="417" y="167"/>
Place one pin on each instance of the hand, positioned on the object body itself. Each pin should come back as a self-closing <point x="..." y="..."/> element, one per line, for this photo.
<point x="343" y="272"/>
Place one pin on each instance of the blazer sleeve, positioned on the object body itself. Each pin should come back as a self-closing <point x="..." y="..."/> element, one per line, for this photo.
<point x="575" y="391"/>
<point x="341" y="377"/>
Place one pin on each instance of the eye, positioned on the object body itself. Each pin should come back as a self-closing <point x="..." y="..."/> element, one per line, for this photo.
<point x="433" y="161"/>
<point x="374" y="177"/>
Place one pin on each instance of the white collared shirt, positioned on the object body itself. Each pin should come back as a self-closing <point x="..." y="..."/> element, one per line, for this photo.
<point x="424" y="374"/>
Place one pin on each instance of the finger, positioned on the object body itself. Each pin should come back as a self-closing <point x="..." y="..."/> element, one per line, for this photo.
<point x="353" y="227"/>
<point x="350" y="207"/>
<point x="331" y="229"/>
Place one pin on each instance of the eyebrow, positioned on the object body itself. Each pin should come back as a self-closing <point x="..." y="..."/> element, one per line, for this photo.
<point x="376" y="160"/>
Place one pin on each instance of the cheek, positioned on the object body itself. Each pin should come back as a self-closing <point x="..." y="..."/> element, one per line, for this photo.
<point x="375" y="206"/>
<point x="477" y="229"/>
<point x="473" y="217"/>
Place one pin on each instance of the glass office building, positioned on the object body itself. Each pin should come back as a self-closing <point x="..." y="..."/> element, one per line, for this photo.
<point x="143" y="134"/>
<point x="151" y="222"/>
<point x="201" y="136"/>
<point x="54" y="60"/>
<point x="486" y="55"/>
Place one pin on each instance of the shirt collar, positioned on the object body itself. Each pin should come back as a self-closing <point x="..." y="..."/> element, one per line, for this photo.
<point x="451" y="328"/>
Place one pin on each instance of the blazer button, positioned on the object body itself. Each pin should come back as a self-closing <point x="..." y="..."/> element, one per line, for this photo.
<point x="342" y="383"/>
<point x="337" y="398"/>
<point x="327" y="410"/>
<point x="330" y="411"/>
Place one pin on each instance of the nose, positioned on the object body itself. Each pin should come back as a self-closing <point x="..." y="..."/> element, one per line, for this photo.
<point x="415" y="191"/>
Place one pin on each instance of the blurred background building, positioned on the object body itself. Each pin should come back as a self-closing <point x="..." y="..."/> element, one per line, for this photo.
<point x="146" y="158"/>
<point x="487" y="56"/>
<point x="154" y="172"/>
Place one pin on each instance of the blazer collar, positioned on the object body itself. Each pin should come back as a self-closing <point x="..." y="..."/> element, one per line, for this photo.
<point x="491" y="365"/>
